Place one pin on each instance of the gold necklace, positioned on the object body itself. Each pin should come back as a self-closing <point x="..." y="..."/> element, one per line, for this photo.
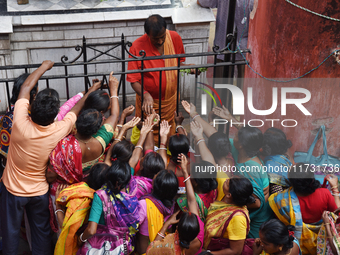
<point x="85" y="142"/>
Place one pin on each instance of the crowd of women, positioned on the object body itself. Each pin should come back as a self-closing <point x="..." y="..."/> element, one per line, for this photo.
<point x="111" y="196"/>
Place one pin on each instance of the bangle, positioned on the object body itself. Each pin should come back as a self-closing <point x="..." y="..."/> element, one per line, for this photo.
<point x="119" y="125"/>
<point x="327" y="223"/>
<point x="196" y="155"/>
<point x="115" y="97"/>
<point x="200" y="140"/>
<point x="163" y="144"/>
<point x="140" y="147"/>
<point x="145" y="92"/>
<point x="179" y="126"/>
<point x="195" y="117"/>
<point x="151" y="130"/>
<point x="187" y="178"/>
<point x="163" y="149"/>
<point x="117" y="139"/>
<point x="161" y="235"/>
<point x="58" y="210"/>
<point x="81" y="238"/>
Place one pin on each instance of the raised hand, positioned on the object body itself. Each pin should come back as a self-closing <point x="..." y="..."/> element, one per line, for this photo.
<point x="131" y="123"/>
<point x="165" y="129"/>
<point x="189" y="108"/>
<point x="184" y="163"/>
<point x="147" y="126"/>
<point x="196" y="129"/>
<point x="47" y="64"/>
<point x="128" y="110"/>
<point x="179" y="118"/>
<point x="154" y="117"/>
<point x="222" y="112"/>
<point x="113" y="83"/>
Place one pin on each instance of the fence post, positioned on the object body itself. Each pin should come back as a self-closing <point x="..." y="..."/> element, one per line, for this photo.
<point x="85" y="65"/>
<point x="123" y="71"/>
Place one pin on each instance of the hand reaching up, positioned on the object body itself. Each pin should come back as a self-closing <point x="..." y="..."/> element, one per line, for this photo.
<point x="113" y="83"/>
<point x="131" y="123"/>
<point x="196" y="129"/>
<point x="165" y="129"/>
<point x="222" y="112"/>
<point x="189" y="108"/>
<point x="184" y="163"/>
<point x="128" y="110"/>
<point x="147" y="126"/>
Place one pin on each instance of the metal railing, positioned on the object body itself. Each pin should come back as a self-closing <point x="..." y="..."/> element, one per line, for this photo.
<point x="122" y="59"/>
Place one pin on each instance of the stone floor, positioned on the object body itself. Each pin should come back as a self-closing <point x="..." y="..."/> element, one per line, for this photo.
<point x="46" y="5"/>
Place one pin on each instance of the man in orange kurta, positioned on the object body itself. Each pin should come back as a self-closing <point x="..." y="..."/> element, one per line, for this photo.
<point x="157" y="41"/>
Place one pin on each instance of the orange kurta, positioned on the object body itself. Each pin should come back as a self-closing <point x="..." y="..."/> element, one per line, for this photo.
<point x="172" y="45"/>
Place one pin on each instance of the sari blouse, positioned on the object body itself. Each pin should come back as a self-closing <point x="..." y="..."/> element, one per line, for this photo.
<point x="104" y="136"/>
<point x="218" y="214"/>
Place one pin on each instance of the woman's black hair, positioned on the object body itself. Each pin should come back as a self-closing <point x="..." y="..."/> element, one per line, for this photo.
<point x="96" y="178"/>
<point x="276" y="232"/>
<point x="275" y="142"/>
<point x="178" y="144"/>
<point x="188" y="228"/>
<point x="204" y="174"/>
<point x="241" y="191"/>
<point x="301" y="177"/>
<point x="99" y="100"/>
<point x="118" y="176"/>
<point x="251" y="139"/>
<point x="165" y="187"/>
<point x="219" y="145"/>
<point x="154" y="25"/>
<point x="17" y="86"/>
<point x="89" y="122"/>
<point x="122" y="150"/>
<point x="152" y="163"/>
<point x="45" y="107"/>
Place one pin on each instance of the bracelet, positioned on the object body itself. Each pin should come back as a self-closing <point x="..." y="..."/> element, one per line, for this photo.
<point x="195" y="116"/>
<point x="196" y="155"/>
<point x="81" y="239"/>
<point x="119" y="125"/>
<point x="161" y="235"/>
<point x="179" y="126"/>
<point x="163" y="144"/>
<point x="145" y="92"/>
<point x="115" y="97"/>
<point x="163" y="149"/>
<point x="151" y="130"/>
<point x="117" y="139"/>
<point x="58" y="210"/>
<point x="200" y="140"/>
<point x="140" y="147"/>
<point x="187" y="178"/>
<point x="327" y="223"/>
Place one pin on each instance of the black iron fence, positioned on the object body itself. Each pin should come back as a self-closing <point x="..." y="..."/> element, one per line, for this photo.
<point x="124" y="57"/>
